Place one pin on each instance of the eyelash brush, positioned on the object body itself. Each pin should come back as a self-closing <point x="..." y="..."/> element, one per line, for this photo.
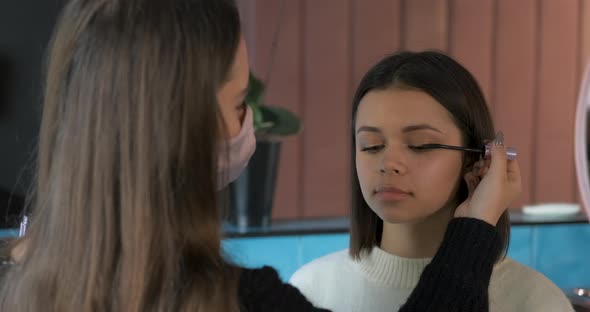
<point x="485" y="151"/>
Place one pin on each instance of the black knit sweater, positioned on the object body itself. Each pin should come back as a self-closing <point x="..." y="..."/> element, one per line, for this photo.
<point x="456" y="279"/>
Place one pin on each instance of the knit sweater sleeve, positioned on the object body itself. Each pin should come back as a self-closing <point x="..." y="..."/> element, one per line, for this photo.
<point x="458" y="277"/>
<point x="262" y="290"/>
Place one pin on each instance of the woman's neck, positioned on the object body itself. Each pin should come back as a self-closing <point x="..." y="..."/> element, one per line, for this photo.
<point x="420" y="239"/>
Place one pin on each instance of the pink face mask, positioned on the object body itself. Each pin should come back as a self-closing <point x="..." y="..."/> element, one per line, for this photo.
<point x="234" y="156"/>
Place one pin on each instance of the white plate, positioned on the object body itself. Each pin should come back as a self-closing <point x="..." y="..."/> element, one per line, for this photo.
<point x="553" y="209"/>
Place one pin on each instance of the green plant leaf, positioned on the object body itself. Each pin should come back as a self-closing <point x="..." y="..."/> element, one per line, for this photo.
<point x="278" y="121"/>
<point x="269" y="121"/>
<point x="258" y="117"/>
<point x="255" y="95"/>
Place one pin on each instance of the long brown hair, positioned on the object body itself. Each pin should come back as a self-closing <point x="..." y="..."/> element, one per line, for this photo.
<point x="457" y="91"/>
<point x="126" y="214"/>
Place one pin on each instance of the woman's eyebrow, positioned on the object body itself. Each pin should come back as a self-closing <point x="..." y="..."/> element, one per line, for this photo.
<point x="369" y="129"/>
<point x="419" y="127"/>
<point x="405" y="129"/>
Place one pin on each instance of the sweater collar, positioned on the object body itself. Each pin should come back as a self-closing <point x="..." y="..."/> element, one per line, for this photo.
<point x="391" y="270"/>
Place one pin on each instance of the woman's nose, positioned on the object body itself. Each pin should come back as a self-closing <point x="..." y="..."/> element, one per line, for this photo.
<point x="393" y="161"/>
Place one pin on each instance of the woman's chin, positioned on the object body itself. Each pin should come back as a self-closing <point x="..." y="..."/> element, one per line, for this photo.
<point x="398" y="216"/>
<point x="402" y="215"/>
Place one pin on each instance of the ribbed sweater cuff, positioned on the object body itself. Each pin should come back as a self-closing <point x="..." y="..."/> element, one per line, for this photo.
<point x="458" y="277"/>
<point x="470" y="246"/>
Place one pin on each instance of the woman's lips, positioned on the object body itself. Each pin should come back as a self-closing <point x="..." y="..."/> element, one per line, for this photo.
<point x="391" y="193"/>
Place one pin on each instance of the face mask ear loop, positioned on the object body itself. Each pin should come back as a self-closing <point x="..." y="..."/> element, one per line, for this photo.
<point x="23" y="226"/>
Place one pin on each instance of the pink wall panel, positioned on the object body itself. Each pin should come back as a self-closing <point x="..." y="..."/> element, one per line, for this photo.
<point x="327" y="93"/>
<point x="584" y="35"/>
<point x="471" y="39"/>
<point x="281" y="65"/>
<point x="273" y="31"/>
<point x="426" y="24"/>
<point x="556" y="99"/>
<point x="249" y="26"/>
<point x="515" y="83"/>
<point x="377" y="31"/>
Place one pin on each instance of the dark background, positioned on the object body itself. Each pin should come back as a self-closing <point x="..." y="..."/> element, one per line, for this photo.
<point x="25" y="29"/>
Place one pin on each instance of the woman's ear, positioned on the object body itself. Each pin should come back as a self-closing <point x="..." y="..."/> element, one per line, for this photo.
<point x="468" y="162"/>
<point x="17" y="253"/>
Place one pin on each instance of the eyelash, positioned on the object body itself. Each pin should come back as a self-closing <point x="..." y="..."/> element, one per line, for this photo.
<point x="419" y="148"/>
<point x="372" y="149"/>
<point x="376" y="148"/>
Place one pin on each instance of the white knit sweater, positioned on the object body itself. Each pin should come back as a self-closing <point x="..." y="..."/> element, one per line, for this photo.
<point x="383" y="282"/>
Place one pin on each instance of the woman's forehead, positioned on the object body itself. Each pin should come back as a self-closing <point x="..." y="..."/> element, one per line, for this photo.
<point x="400" y="108"/>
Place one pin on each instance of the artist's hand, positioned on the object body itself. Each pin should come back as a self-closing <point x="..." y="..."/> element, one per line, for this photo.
<point x="493" y="185"/>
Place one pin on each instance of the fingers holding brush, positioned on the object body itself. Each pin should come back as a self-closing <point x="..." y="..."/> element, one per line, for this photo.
<point x="493" y="184"/>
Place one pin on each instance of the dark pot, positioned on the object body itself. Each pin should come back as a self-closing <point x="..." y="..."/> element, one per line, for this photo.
<point x="252" y="194"/>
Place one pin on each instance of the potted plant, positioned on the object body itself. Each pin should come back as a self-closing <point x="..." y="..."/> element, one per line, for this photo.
<point x="252" y="194"/>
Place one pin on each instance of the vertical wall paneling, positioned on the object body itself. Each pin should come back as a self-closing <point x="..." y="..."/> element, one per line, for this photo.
<point x="471" y="39"/>
<point x="272" y="30"/>
<point x="279" y="64"/>
<point x="377" y="31"/>
<point x="514" y="94"/>
<point x="558" y="79"/>
<point x="584" y="35"/>
<point x="327" y="75"/>
<point x="248" y="16"/>
<point x="285" y="90"/>
<point x="426" y="24"/>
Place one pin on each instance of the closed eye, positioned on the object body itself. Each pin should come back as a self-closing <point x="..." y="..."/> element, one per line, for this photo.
<point x="422" y="148"/>
<point x="372" y="149"/>
<point x="426" y="147"/>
